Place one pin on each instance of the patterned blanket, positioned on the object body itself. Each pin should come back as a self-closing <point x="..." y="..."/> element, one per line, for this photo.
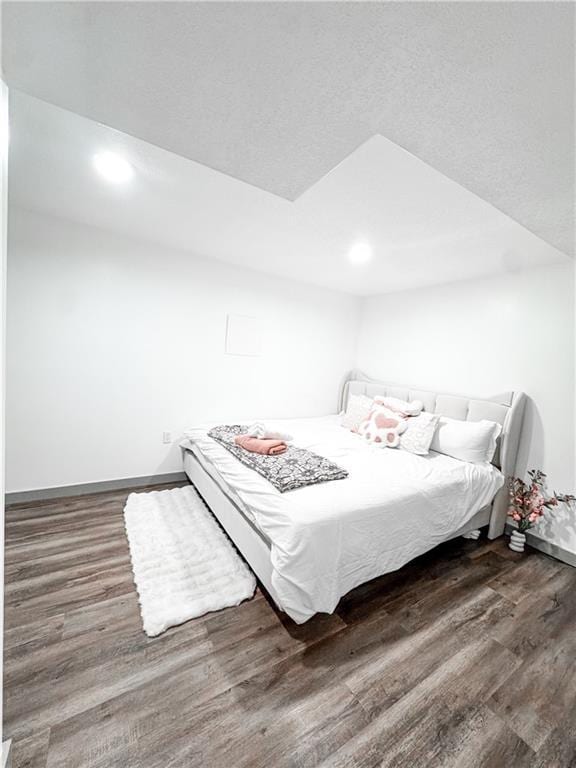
<point x="293" y="469"/>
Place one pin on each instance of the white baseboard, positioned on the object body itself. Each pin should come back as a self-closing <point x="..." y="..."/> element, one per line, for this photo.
<point x="6" y="754"/>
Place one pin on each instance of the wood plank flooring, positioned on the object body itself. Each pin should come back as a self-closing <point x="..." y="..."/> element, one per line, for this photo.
<point x="464" y="658"/>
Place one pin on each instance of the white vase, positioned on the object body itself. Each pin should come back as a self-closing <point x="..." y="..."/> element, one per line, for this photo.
<point x="517" y="541"/>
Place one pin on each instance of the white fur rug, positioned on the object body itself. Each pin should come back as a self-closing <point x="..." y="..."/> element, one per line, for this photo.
<point x="184" y="565"/>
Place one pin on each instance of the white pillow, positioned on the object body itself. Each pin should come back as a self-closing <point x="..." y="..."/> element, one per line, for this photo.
<point x="401" y="406"/>
<point x="473" y="441"/>
<point x="357" y="410"/>
<point x="419" y="433"/>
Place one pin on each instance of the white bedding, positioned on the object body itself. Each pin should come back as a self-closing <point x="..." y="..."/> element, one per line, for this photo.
<point x="328" y="538"/>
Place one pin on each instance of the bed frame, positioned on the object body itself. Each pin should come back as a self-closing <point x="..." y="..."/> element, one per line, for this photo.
<point x="507" y="409"/>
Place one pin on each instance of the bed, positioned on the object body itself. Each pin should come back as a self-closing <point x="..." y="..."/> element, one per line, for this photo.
<point x="311" y="546"/>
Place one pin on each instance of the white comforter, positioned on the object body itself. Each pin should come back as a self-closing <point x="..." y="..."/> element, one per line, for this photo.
<point x="328" y="538"/>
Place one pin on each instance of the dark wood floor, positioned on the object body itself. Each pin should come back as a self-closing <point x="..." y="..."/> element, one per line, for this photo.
<point x="466" y="657"/>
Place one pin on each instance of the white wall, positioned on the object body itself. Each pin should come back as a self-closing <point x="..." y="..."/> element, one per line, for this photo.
<point x="483" y="337"/>
<point x="3" y="263"/>
<point x="113" y="341"/>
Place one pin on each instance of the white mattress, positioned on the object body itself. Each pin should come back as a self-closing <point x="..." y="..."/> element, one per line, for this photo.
<point x="326" y="539"/>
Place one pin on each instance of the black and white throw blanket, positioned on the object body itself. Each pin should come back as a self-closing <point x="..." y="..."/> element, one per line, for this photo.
<point x="295" y="468"/>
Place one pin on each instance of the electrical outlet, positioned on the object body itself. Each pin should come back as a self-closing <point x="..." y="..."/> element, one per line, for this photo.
<point x="166" y="438"/>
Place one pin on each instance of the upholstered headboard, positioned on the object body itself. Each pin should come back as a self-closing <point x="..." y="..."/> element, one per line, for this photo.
<point x="507" y="409"/>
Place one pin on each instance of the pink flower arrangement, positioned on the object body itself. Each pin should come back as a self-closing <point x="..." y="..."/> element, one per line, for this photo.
<point x="528" y="500"/>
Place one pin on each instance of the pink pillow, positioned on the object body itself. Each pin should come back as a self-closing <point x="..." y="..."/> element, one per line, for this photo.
<point x="383" y="426"/>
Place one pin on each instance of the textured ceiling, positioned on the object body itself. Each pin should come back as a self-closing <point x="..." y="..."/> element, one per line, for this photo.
<point x="423" y="228"/>
<point x="277" y="94"/>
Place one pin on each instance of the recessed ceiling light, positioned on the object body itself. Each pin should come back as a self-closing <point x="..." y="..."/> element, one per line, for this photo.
<point x="360" y="253"/>
<point x="113" y="167"/>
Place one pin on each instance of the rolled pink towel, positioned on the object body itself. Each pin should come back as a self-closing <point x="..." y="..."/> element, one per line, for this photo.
<point x="267" y="447"/>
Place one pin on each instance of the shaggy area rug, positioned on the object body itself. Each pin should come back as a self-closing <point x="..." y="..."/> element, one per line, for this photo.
<point x="184" y="565"/>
